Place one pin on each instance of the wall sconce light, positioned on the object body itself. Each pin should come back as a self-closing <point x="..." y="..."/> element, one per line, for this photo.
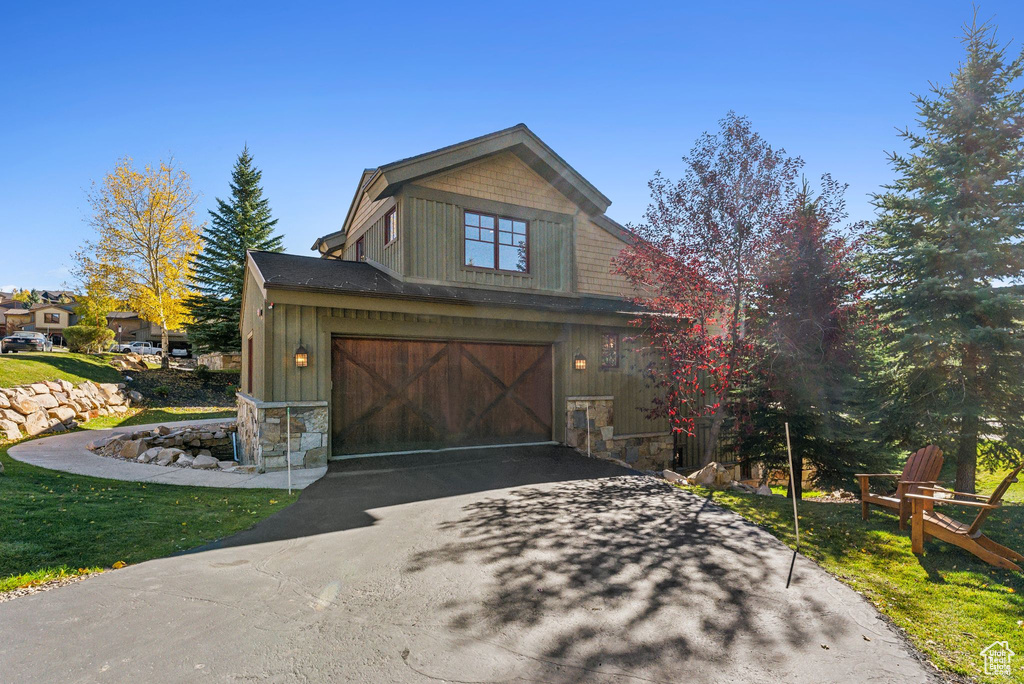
<point x="301" y="357"/>
<point x="579" y="362"/>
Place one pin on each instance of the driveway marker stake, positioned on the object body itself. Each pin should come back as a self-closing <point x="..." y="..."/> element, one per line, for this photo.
<point x="792" y="491"/>
<point x="288" y="418"/>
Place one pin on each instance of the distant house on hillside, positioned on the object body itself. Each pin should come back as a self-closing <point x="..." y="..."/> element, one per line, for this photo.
<point x="47" y="318"/>
<point x="129" y="327"/>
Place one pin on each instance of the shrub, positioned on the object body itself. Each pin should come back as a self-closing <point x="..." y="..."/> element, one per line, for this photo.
<point x="88" y="338"/>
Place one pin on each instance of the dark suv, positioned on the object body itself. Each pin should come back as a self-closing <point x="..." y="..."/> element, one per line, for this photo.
<point x="25" y="341"/>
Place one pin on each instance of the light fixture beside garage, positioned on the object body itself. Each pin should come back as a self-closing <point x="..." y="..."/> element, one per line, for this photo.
<point x="579" y="361"/>
<point x="301" y="357"/>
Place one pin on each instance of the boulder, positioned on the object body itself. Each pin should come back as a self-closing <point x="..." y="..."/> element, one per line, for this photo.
<point x="9" y="429"/>
<point x="24" y="404"/>
<point x="5" y="403"/>
<point x="46" y="401"/>
<point x="712" y="475"/>
<point x="135" y="397"/>
<point x="673" y="476"/>
<point x="61" y="413"/>
<point x="11" y="415"/>
<point x="764" y="490"/>
<point x="204" y="452"/>
<point x="224" y="465"/>
<point x="132" y="449"/>
<point x="205" y="462"/>
<point x="39" y="388"/>
<point x="167" y="456"/>
<point x="65" y="386"/>
<point x="53" y="386"/>
<point x="185" y="460"/>
<point x="97" y="444"/>
<point x="36" y="422"/>
<point x="149" y="454"/>
<point x="741" y="487"/>
<point x="60" y="397"/>
<point x="55" y="426"/>
<point x="164" y="430"/>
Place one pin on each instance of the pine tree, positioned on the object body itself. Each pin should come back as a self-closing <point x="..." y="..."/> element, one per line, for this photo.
<point x="806" y="314"/>
<point x="242" y="224"/>
<point x="949" y="240"/>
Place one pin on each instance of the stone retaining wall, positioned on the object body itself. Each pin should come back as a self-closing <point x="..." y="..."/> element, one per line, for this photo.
<point x="648" y="451"/>
<point x="221" y="360"/>
<point x="263" y="433"/>
<point x="55" y="406"/>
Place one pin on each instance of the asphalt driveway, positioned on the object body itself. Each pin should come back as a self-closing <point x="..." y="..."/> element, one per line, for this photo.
<point x="530" y="564"/>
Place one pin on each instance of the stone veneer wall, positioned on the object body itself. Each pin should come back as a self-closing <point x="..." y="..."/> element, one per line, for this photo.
<point x="647" y="451"/>
<point x="221" y="360"/>
<point x="263" y="433"/>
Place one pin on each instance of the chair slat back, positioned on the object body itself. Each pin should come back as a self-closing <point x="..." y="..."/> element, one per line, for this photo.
<point x="924" y="465"/>
<point x="997" y="496"/>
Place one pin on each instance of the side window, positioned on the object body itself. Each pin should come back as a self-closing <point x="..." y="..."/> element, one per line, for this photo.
<point x="361" y="249"/>
<point x="391" y="226"/>
<point x="610" y="350"/>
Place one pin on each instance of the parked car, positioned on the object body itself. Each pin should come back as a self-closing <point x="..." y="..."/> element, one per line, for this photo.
<point x="25" y="341"/>
<point x="180" y="353"/>
<point x="136" y="348"/>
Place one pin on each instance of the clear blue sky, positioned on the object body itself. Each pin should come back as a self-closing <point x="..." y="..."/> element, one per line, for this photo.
<point x="321" y="90"/>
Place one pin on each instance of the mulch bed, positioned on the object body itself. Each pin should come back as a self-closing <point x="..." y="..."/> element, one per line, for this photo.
<point x="175" y="387"/>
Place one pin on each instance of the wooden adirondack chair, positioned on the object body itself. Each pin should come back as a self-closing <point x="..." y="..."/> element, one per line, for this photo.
<point x="927" y="524"/>
<point x="922" y="469"/>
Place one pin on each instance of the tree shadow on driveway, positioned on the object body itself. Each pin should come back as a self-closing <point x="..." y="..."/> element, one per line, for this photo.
<point x="629" y="575"/>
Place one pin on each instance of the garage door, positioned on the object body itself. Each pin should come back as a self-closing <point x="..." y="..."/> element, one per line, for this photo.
<point x="393" y="395"/>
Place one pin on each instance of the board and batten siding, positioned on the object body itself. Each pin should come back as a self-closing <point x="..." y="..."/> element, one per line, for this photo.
<point x="253" y="325"/>
<point x="632" y="391"/>
<point x="434" y="228"/>
<point x="373" y="240"/>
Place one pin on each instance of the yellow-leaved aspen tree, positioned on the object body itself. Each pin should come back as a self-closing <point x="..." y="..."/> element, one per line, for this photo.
<point x="146" y="237"/>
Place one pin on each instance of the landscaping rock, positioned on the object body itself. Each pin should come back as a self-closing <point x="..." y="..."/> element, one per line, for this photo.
<point x="712" y="475"/>
<point x="224" y="465"/>
<point x="149" y="454"/>
<point x="764" y="490"/>
<point x="167" y="456"/>
<point x="46" y="401"/>
<point x="24" y="404"/>
<point x="62" y="413"/>
<point x="11" y="415"/>
<point x="741" y="487"/>
<point x="132" y="449"/>
<point x="53" y="386"/>
<point x="36" y="423"/>
<point x="205" y="462"/>
<point x="39" y="388"/>
<point x="5" y="403"/>
<point x="184" y="460"/>
<point x="672" y="476"/>
<point x="9" y="429"/>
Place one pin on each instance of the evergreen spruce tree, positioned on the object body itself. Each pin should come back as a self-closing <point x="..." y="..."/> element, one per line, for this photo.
<point x="948" y="247"/>
<point x="243" y="223"/>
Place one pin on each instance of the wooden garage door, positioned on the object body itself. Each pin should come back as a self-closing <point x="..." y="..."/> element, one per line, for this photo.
<point x="392" y="395"/>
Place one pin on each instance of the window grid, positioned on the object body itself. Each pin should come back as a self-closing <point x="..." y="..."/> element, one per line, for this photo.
<point x="496" y="243"/>
<point x="610" y="350"/>
<point x="391" y="226"/>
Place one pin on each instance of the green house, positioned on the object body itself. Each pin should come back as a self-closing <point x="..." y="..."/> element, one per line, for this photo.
<point x="468" y="300"/>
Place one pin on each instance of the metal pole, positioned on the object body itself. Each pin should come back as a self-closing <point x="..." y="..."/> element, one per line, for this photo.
<point x="792" y="491"/>
<point x="588" y="429"/>
<point x="288" y="456"/>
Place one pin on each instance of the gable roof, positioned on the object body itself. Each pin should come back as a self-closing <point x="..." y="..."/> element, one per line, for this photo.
<point x="385" y="181"/>
<point x="334" y="276"/>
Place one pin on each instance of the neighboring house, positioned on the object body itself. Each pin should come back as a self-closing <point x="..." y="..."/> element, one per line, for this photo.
<point x="129" y="327"/>
<point x="468" y="299"/>
<point x="50" y="319"/>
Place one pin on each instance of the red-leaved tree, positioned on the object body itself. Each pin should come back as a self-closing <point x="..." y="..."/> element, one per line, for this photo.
<point x="696" y="262"/>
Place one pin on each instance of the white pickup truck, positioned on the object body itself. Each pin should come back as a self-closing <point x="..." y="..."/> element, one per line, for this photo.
<point x="141" y="348"/>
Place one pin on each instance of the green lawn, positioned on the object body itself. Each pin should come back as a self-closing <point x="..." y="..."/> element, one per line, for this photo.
<point x="27" y="367"/>
<point x="53" y="523"/>
<point x="146" y="416"/>
<point x="950" y="604"/>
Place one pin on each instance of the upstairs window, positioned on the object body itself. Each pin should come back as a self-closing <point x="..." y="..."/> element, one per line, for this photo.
<point x="361" y="249"/>
<point x="51" y="318"/>
<point x="610" y="350"/>
<point x="390" y="227"/>
<point x="496" y="242"/>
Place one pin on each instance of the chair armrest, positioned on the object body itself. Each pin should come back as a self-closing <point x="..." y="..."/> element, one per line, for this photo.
<point x="971" y="504"/>
<point x="950" y="491"/>
<point x="878" y="475"/>
<point x="921" y="482"/>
